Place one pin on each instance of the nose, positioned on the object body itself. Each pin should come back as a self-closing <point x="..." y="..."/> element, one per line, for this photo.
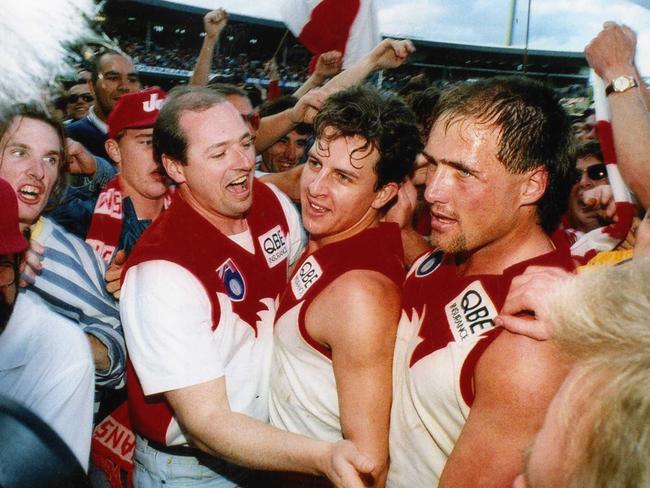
<point x="36" y="169"/>
<point x="585" y="182"/>
<point x="437" y="184"/>
<point x="245" y="158"/>
<point x="318" y="185"/>
<point x="290" y="151"/>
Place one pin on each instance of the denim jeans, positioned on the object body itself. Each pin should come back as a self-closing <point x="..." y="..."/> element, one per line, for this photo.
<point x="153" y="469"/>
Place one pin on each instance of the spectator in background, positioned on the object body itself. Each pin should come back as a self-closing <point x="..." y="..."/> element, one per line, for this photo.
<point x="45" y="361"/>
<point x="113" y="75"/>
<point x="288" y="151"/>
<point x="78" y="100"/>
<point x="583" y="217"/>
<point x="611" y="55"/>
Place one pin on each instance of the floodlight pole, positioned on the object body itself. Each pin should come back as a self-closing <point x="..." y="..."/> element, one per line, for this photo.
<point x="511" y="22"/>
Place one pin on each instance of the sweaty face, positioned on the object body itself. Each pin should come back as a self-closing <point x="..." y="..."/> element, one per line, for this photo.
<point x="31" y="156"/>
<point x="79" y="100"/>
<point x="582" y="218"/>
<point x="473" y="200"/>
<point x="116" y="77"/>
<point x="285" y="153"/>
<point x="218" y="177"/>
<point x="337" y="187"/>
<point x="138" y="169"/>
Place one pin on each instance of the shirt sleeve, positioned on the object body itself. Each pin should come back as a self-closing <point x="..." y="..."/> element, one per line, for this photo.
<point x="297" y="235"/>
<point x="167" y="321"/>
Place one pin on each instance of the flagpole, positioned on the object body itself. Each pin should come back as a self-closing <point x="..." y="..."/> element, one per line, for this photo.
<point x="280" y="45"/>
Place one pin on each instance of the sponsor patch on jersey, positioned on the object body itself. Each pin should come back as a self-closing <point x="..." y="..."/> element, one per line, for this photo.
<point x="305" y="277"/>
<point x="471" y="313"/>
<point x="430" y="264"/>
<point x="274" y="245"/>
<point x="233" y="280"/>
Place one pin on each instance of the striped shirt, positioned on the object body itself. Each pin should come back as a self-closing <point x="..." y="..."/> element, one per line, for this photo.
<point x="72" y="284"/>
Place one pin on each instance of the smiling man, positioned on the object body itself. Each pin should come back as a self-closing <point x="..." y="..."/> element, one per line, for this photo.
<point x="468" y="396"/>
<point x="113" y="75"/>
<point x="331" y="375"/>
<point x="198" y="302"/>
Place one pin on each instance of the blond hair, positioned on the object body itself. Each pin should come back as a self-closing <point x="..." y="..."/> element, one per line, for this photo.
<point x="603" y="320"/>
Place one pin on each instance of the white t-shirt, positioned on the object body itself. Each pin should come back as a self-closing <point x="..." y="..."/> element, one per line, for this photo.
<point x="46" y="366"/>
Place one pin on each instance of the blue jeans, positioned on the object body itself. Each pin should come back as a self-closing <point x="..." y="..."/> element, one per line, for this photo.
<point x="153" y="469"/>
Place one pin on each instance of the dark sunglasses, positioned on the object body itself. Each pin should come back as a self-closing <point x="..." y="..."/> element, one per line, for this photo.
<point x="596" y="172"/>
<point x="86" y="97"/>
<point x="253" y="119"/>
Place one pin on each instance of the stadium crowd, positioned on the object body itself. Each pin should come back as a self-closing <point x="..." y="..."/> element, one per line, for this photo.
<point x="343" y="286"/>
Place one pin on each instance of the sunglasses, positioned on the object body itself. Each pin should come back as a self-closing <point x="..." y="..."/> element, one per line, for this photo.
<point x="253" y="119"/>
<point x="86" y="97"/>
<point x="595" y="172"/>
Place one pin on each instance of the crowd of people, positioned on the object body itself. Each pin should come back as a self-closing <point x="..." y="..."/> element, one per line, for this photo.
<point x="340" y="287"/>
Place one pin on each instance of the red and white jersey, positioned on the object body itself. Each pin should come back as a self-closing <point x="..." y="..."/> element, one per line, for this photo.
<point x="303" y="396"/>
<point x="446" y="325"/>
<point x="197" y="306"/>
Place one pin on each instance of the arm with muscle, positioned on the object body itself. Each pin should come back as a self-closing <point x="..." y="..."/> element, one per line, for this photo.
<point x="514" y="382"/>
<point x="360" y="331"/>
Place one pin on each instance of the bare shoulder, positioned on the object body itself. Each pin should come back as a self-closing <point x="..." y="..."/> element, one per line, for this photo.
<point x="518" y="369"/>
<point x="367" y="299"/>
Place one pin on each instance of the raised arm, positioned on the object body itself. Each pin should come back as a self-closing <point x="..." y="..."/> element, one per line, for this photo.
<point x="360" y="331"/>
<point x="514" y="382"/>
<point x="327" y="65"/>
<point x="213" y="24"/>
<point x="611" y="54"/>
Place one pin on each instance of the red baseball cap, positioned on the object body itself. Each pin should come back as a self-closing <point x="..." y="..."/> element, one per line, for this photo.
<point x="135" y="110"/>
<point x="11" y="240"/>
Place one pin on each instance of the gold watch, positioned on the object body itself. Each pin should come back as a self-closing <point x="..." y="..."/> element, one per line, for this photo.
<point x="621" y="84"/>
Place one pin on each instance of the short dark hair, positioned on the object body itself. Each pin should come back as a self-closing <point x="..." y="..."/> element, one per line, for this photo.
<point x="280" y="104"/>
<point x="386" y="123"/>
<point x="588" y="148"/>
<point x="40" y="113"/>
<point x="168" y="137"/>
<point x="534" y="131"/>
<point x="97" y="62"/>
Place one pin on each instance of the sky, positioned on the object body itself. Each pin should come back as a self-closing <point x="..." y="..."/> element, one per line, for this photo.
<point x="565" y="25"/>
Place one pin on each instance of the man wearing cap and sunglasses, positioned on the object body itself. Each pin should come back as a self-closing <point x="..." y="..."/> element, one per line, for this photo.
<point x="45" y="360"/>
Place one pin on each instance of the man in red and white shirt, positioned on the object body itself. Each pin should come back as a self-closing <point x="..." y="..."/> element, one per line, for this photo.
<point x="198" y="301"/>
<point x="469" y="397"/>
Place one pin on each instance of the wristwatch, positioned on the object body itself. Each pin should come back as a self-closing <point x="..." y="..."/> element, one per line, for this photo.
<point x="621" y="84"/>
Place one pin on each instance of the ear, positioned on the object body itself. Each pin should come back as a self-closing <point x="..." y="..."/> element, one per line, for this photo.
<point x="534" y="186"/>
<point x="113" y="151"/>
<point x="175" y="170"/>
<point x="91" y="87"/>
<point x="385" y="194"/>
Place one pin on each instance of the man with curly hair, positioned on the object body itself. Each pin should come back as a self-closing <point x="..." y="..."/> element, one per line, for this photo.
<point x="336" y="322"/>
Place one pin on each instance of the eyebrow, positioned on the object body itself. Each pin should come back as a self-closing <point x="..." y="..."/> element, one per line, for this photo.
<point x="219" y="145"/>
<point x="454" y="164"/>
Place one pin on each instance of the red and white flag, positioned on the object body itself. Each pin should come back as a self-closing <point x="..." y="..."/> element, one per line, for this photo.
<point x="608" y="237"/>
<point x="348" y="26"/>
